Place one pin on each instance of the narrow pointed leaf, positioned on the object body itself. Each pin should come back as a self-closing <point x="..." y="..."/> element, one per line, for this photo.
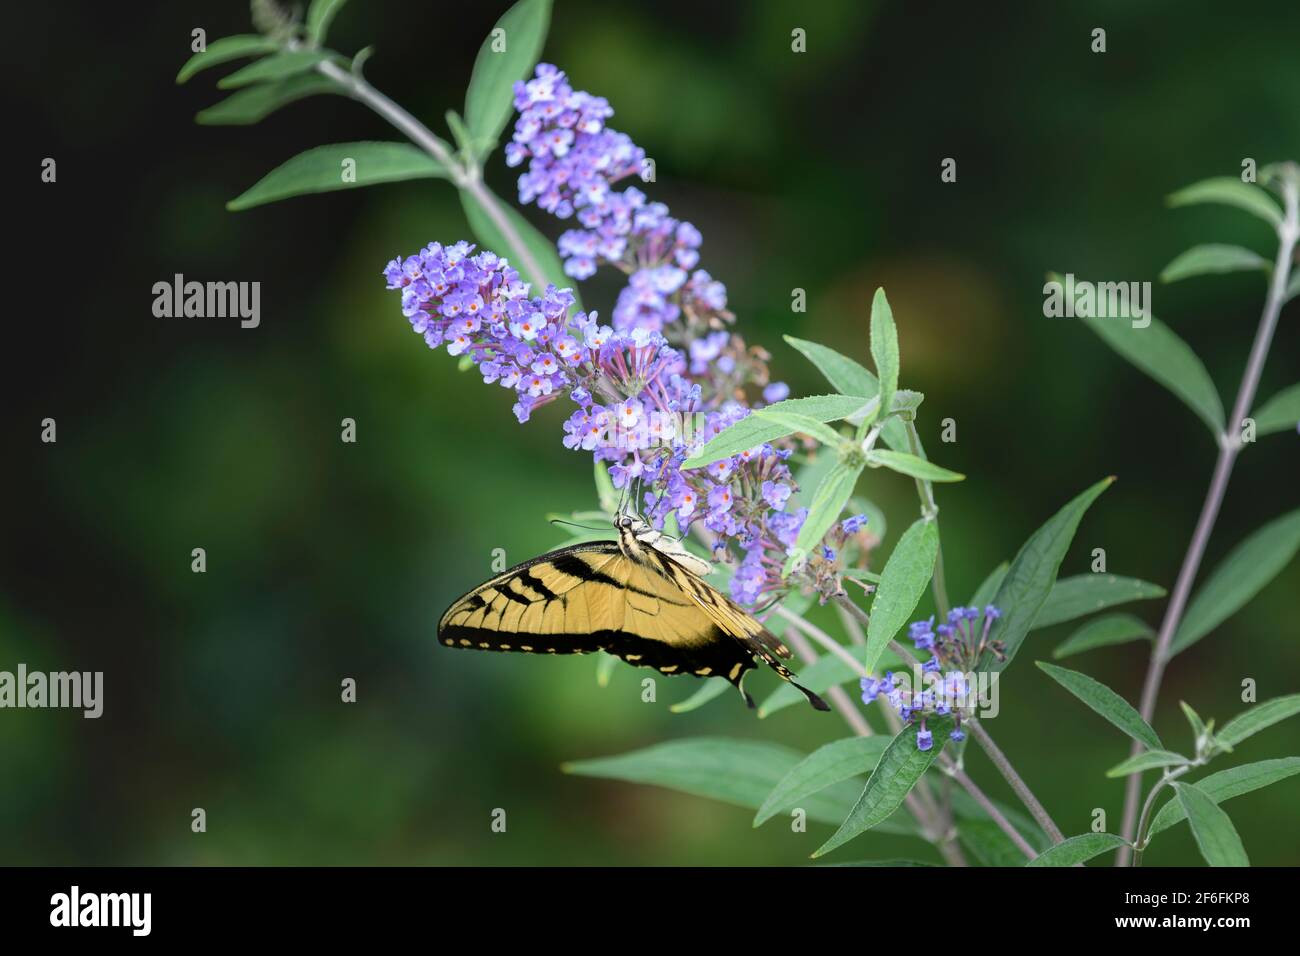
<point x="1077" y="849"/>
<point x="1244" y="573"/>
<point x="829" y="764"/>
<point x="1147" y="760"/>
<point x="225" y="50"/>
<point x="846" y="376"/>
<point x="1230" y="191"/>
<point x="827" y="504"/>
<point x="752" y="431"/>
<point x="711" y="689"/>
<point x="1213" y="259"/>
<point x="802" y="423"/>
<point x="1215" y="835"/>
<point x="1104" y="702"/>
<point x="1281" y="413"/>
<point x="884" y="348"/>
<point x="988" y="588"/>
<point x="489" y="101"/>
<point x="320" y="15"/>
<point x="254" y="104"/>
<point x="321" y="170"/>
<point x="1104" y="632"/>
<point x="1029" y="581"/>
<point x="1083" y="594"/>
<point x="491" y="237"/>
<point x="1227" y="784"/>
<point x="1257" y="718"/>
<point x="739" y="772"/>
<point x="906" y="464"/>
<point x="900" y="766"/>
<point x="276" y="67"/>
<point x="904" y="579"/>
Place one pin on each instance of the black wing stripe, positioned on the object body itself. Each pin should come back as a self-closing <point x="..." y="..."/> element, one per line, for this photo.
<point x="528" y="579"/>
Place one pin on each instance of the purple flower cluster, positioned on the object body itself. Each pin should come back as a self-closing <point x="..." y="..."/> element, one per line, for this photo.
<point x="947" y="676"/>
<point x="574" y="162"/>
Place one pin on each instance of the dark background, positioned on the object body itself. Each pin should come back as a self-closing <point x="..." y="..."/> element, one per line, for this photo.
<point x="328" y="560"/>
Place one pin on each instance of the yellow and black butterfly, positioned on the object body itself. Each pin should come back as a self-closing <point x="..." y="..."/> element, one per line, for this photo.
<point x="640" y="598"/>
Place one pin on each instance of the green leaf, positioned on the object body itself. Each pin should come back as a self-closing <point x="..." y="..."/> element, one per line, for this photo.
<point x="910" y="465"/>
<point x="906" y="575"/>
<point x="225" y="50"/>
<point x="827" y="503"/>
<point x="884" y="348"/>
<point x="830" y="764"/>
<point x="1215" y="835"/>
<point x="1147" y="760"/>
<point x="321" y="170"/>
<point x="810" y="476"/>
<point x="1199" y="729"/>
<point x="1213" y="259"/>
<point x="1280" y="413"/>
<point x="1103" y="632"/>
<point x="966" y="809"/>
<point x="752" y="431"/>
<point x="1230" y="191"/>
<point x="489" y="101"/>
<point x="1157" y="350"/>
<point x="278" y="66"/>
<point x="1083" y="594"/>
<point x="1077" y="849"/>
<point x="803" y="423"/>
<point x="320" y="15"/>
<point x="1029" y="581"/>
<point x="712" y="688"/>
<point x="1105" y="702"/>
<point x="988" y="588"/>
<point x="254" y="104"/>
<point x="900" y="766"/>
<point x="1227" y="784"/>
<point x="1244" y="572"/>
<point x="491" y="237"/>
<point x="1257" y="718"/>
<point x="985" y="841"/>
<point x="845" y="375"/>
<point x="739" y="772"/>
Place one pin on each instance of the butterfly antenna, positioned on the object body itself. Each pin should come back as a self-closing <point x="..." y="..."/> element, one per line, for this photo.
<point x="574" y="524"/>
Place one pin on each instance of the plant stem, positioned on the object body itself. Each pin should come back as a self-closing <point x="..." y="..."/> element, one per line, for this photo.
<point x="1229" y="447"/>
<point x="994" y="813"/>
<point x="930" y="511"/>
<point x="465" y="176"/>
<point x="1140" y="844"/>
<point x="995" y="754"/>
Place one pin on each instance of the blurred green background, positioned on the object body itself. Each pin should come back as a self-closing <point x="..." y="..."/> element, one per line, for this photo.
<point x="326" y="560"/>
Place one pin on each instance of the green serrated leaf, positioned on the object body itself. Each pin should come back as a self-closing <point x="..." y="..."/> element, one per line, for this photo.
<point x="322" y="170"/>
<point x="904" y="579"/>
<point x="1147" y="760"/>
<point x="900" y="766"/>
<point x="884" y="348"/>
<point x="845" y="375"/>
<point x="1215" y="835"/>
<point x="1281" y="413"/>
<point x="1032" y="574"/>
<point x="254" y="104"/>
<point x="278" y="66"/>
<point x="225" y="50"/>
<point x="827" y="765"/>
<point x="1104" y="702"/>
<point x="1082" y="594"/>
<point x="1250" y="566"/>
<point x="1157" y="350"/>
<point x="1104" y="632"/>
<point x="320" y="15"/>
<point x="1227" y="784"/>
<point x="1259" y="717"/>
<point x="1230" y="191"/>
<point x="491" y="237"/>
<point x="504" y="58"/>
<point x="1077" y="849"/>
<point x="752" y="431"/>
<point x="1213" y="259"/>
<point x="739" y="772"/>
<point x="827" y="503"/>
<point x="911" y="465"/>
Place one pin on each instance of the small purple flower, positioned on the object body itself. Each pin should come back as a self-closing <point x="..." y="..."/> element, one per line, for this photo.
<point x="854" y="524"/>
<point x="924" y="739"/>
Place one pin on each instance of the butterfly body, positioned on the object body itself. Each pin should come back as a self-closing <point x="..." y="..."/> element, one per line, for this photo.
<point x="641" y="598"/>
